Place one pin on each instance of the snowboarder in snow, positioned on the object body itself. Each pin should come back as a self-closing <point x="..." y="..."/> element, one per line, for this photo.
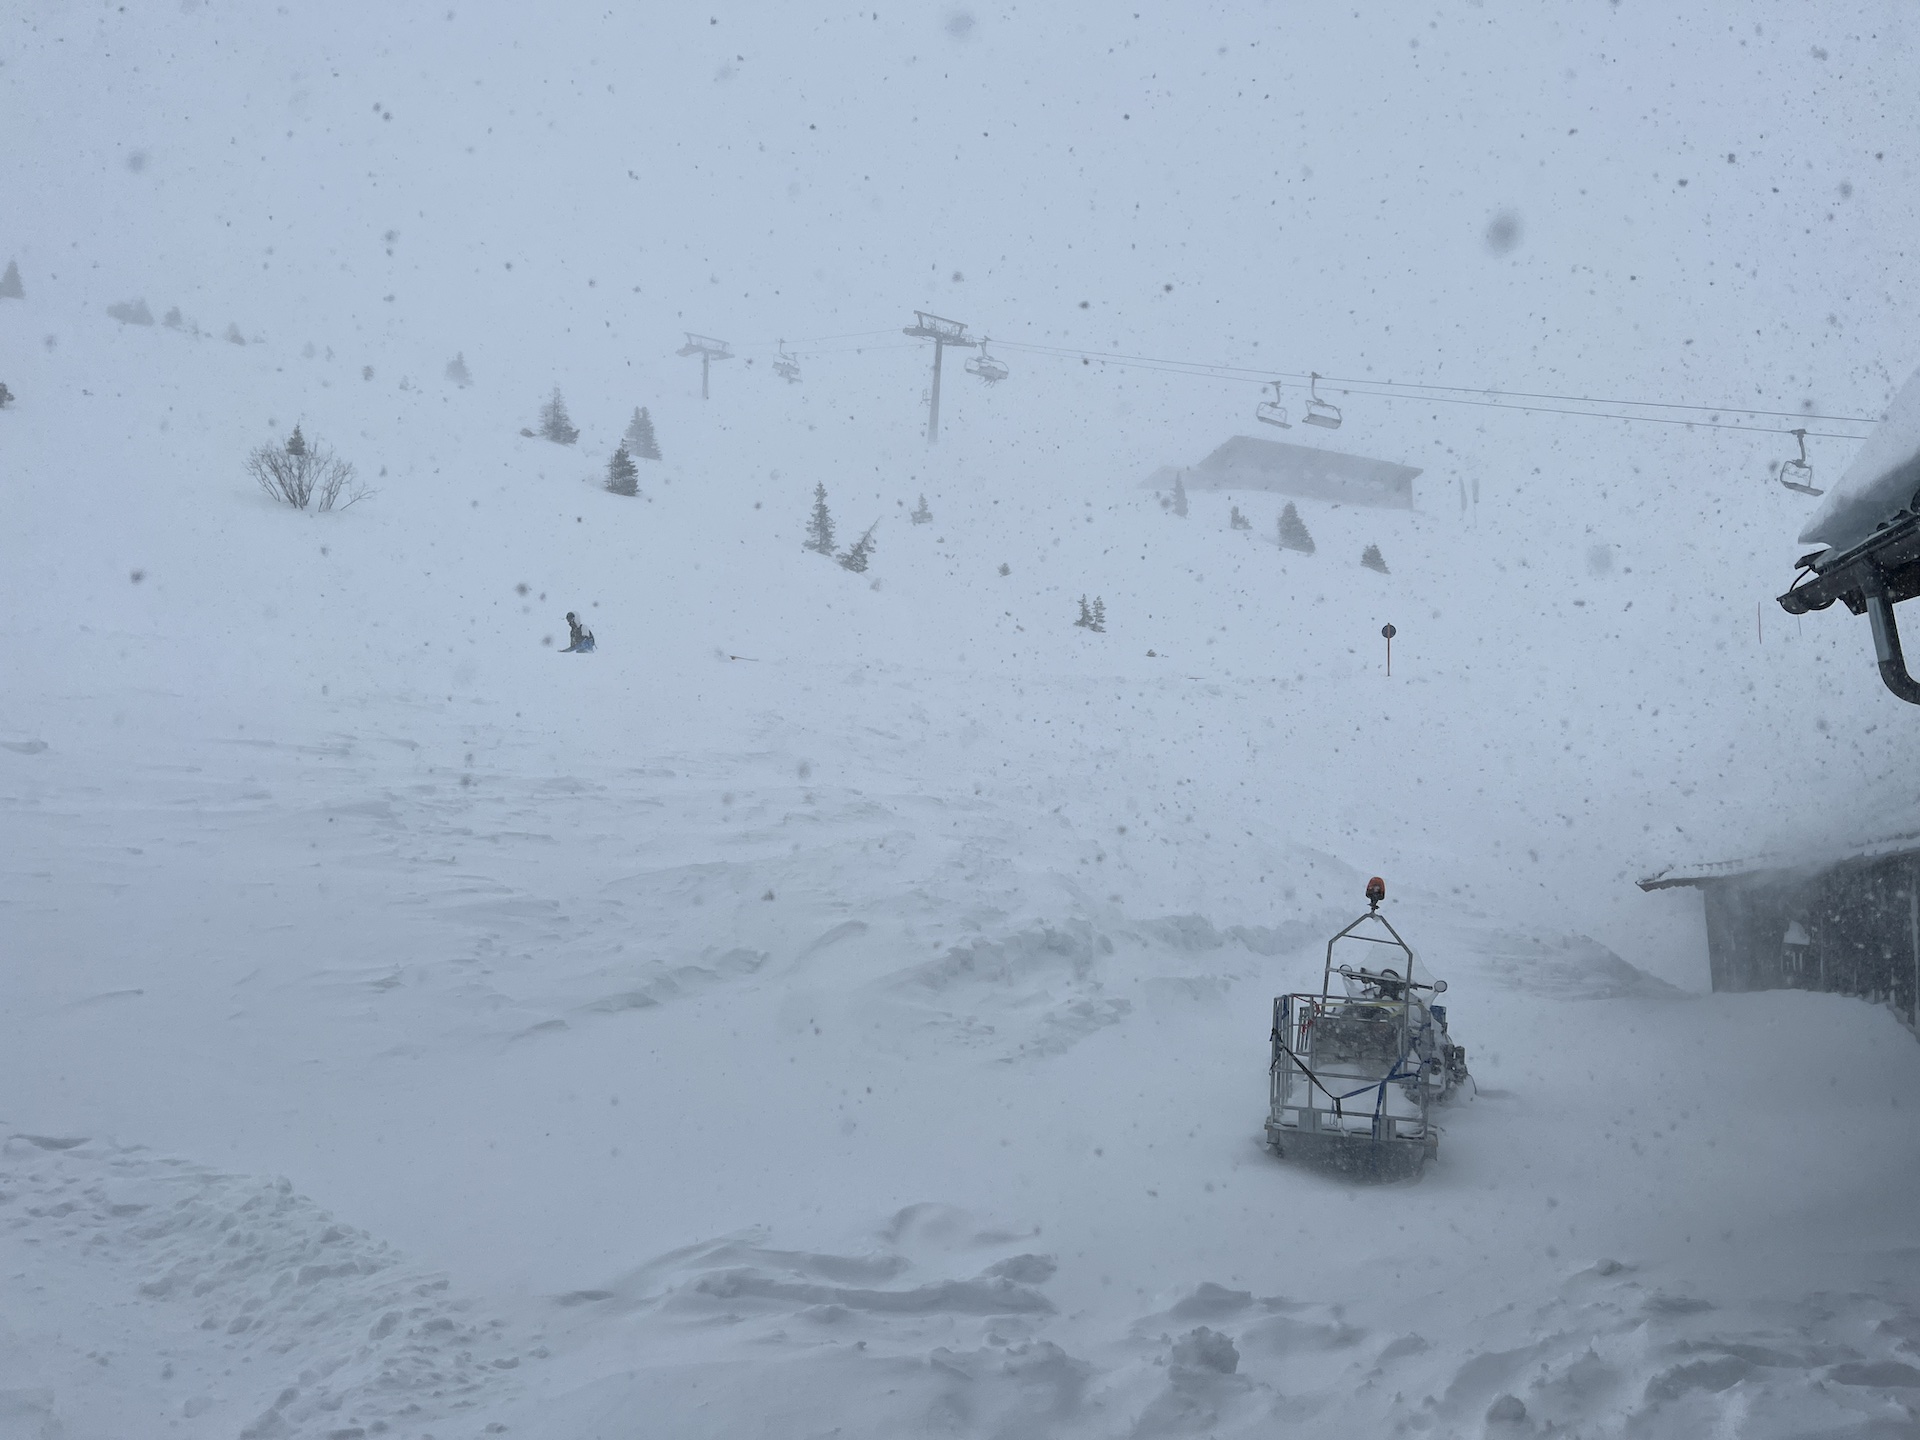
<point x="579" y="638"/>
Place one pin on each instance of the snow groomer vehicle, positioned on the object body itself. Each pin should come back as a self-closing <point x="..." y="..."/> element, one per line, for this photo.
<point x="1358" y="1068"/>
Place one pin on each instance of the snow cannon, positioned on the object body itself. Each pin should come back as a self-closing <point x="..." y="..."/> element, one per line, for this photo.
<point x="1356" y="1073"/>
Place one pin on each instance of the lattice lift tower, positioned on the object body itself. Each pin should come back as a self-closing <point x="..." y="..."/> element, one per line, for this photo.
<point x="943" y="333"/>
<point x="709" y="350"/>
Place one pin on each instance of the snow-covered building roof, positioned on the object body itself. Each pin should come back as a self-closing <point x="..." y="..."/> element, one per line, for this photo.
<point x="1247" y="462"/>
<point x="1796" y="859"/>
<point x="1882" y="480"/>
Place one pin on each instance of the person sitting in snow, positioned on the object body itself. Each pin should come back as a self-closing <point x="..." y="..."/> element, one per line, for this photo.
<point x="579" y="638"/>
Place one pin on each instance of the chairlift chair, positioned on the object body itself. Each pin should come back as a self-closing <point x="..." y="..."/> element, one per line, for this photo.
<point x="1273" y="412"/>
<point x="1798" y="474"/>
<point x="985" y="366"/>
<point x="786" y="367"/>
<point x="1320" y="412"/>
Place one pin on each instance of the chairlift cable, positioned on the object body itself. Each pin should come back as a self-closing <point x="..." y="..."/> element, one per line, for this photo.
<point x="850" y="335"/>
<point x="1400" y="390"/>
<point x="1485" y="397"/>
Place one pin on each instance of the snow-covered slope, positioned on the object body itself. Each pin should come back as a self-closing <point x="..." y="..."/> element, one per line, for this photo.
<point x="840" y="1003"/>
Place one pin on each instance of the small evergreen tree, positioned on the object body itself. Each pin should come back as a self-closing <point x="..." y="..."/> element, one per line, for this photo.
<point x="6" y="397"/>
<point x="131" y="312"/>
<point x="855" y="559"/>
<point x="1237" y="521"/>
<point x="1179" y="497"/>
<point x="10" y="283"/>
<point x="921" y="514"/>
<point x="1085" y="622"/>
<point x="640" y="435"/>
<point x="1099" y="625"/>
<point x="457" y="371"/>
<point x="623" y="476"/>
<point x="1293" y="531"/>
<point x="174" y="320"/>
<point x="820" y="527"/>
<point x="296" y="442"/>
<point x="1373" y="560"/>
<point x="554" y="424"/>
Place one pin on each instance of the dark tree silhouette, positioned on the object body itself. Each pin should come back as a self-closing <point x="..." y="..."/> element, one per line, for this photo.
<point x="820" y="527"/>
<point x="1293" y="531"/>
<point x="623" y="476"/>
<point x="855" y="558"/>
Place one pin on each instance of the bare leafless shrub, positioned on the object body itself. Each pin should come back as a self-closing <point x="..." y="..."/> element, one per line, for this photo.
<point x="305" y="476"/>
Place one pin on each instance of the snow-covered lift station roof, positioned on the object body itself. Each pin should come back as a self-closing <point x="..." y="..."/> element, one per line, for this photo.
<point x="1869" y="534"/>
<point x="1879" y="484"/>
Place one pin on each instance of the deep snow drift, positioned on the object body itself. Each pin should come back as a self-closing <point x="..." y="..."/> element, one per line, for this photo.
<point x="839" y="1004"/>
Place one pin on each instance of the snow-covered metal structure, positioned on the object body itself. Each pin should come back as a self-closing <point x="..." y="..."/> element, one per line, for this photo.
<point x="1354" y="1076"/>
<point x="1869" y="533"/>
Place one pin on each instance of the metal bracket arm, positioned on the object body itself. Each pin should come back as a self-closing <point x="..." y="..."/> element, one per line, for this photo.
<point x="1886" y="644"/>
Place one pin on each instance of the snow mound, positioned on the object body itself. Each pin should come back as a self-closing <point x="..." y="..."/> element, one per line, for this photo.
<point x="262" y="1314"/>
<point x="1033" y="994"/>
<point x="1566" y="967"/>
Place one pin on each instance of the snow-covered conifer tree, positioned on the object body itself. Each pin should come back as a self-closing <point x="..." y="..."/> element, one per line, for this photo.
<point x="640" y="435"/>
<point x="1099" y="625"/>
<point x="554" y="424"/>
<point x="1237" y="521"/>
<point x="1293" y="531"/>
<point x="457" y="371"/>
<point x="820" y="527"/>
<point x="921" y="515"/>
<point x="855" y="558"/>
<point x="623" y="476"/>
<point x="10" y="288"/>
<point x="1179" y="497"/>
<point x="1085" y="622"/>
<point x="1373" y="560"/>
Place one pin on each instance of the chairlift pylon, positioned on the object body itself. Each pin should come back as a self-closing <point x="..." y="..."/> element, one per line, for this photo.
<point x="1273" y="412"/>
<point x="986" y="366"/>
<point x="786" y="366"/>
<point x="1798" y="474"/>
<point x="1320" y="412"/>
